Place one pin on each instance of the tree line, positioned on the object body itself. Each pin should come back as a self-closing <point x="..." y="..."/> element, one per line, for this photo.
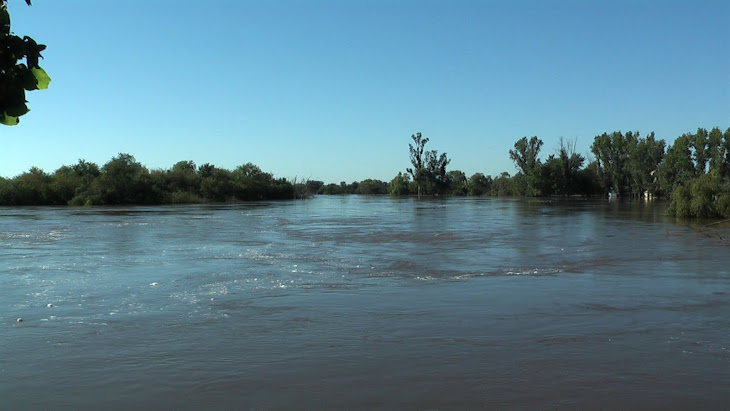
<point x="694" y="172"/>
<point x="123" y="180"/>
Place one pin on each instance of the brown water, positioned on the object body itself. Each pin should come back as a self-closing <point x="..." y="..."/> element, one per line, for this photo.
<point x="361" y="303"/>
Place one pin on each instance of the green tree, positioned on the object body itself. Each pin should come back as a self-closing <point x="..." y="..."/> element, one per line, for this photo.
<point x="706" y="196"/>
<point x="429" y="168"/>
<point x="458" y="184"/>
<point x="399" y="185"/>
<point x="612" y="156"/>
<point x="479" y="184"/>
<point x="588" y="181"/>
<point x="64" y="184"/>
<point x="32" y="188"/>
<point x="725" y="167"/>
<point x="502" y="185"/>
<point x="250" y="182"/>
<point x="218" y="186"/>
<point x="418" y="161"/>
<point x="312" y="187"/>
<point x="645" y="155"/>
<point x="126" y="181"/>
<point x="437" y="180"/>
<point x="525" y="155"/>
<point x="565" y="179"/>
<point x="183" y="179"/>
<point x="677" y="166"/>
<point x="549" y="179"/>
<point x="372" y="186"/>
<point x="17" y="78"/>
<point x="698" y="143"/>
<point x="716" y="150"/>
<point x="88" y="189"/>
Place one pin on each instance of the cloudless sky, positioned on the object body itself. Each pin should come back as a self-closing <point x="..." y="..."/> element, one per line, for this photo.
<point x="333" y="89"/>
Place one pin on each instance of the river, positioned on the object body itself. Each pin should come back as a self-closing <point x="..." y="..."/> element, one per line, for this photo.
<point x="363" y="302"/>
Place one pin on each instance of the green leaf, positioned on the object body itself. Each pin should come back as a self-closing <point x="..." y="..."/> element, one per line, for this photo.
<point x="17" y="110"/>
<point x="8" y="120"/>
<point x="42" y="77"/>
<point x="25" y="78"/>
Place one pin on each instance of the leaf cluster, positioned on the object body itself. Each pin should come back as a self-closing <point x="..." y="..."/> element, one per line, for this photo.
<point x="17" y="77"/>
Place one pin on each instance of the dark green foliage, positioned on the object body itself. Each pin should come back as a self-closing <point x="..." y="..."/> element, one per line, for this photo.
<point x="504" y="185"/>
<point x="697" y="170"/>
<point x="342" y="188"/>
<point x="525" y="154"/>
<point x="313" y="186"/>
<point x="479" y="184"/>
<point x="558" y="175"/>
<point x="529" y="179"/>
<point x="569" y="163"/>
<point x="458" y="184"/>
<point x="429" y="168"/>
<point x="677" y="166"/>
<point x="588" y="183"/>
<point x="612" y="153"/>
<point x="694" y="174"/>
<point x="644" y="161"/>
<point x="123" y="180"/>
<point x="218" y="187"/>
<point x="706" y="196"/>
<point x="717" y="150"/>
<point x="16" y="77"/>
<point x="370" y="186"/>
<point x="628" y="164"/>
<point x="400" y="185"/>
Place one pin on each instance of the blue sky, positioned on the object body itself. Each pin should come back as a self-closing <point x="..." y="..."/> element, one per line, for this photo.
<point x="332" y="90"/>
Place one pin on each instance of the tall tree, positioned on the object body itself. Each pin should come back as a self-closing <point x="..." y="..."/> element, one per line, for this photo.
<point x="479" y="184"/>
<point x="725" y="167"/>
<point x="417" y="159"/>
<point x="698" y="143"/>
<point x="570" y="163"/>
<point x="459" y="185"/>
<point x="716" y="150"/>
<point x="17" y="78"/>
<point x="645" y="155"/>
<point x="429" y="168"/>
<point x="399" y="185"/>
<point x="677" y="166"/>
<point x="436" y="176"/>
<point x="612" y="153"/>
<point x="525" y="154"/>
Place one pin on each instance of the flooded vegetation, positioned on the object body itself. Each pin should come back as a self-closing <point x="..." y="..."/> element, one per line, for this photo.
<point x="694" y="174"/>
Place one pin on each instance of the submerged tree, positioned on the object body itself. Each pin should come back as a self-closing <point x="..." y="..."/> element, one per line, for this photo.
<point x="416" y="153"/>
<point x="479" y="184"/>
<point x="17" y="78"/>
<point x="399" y="185"/>
<point x="429" y="168"/>
<point x="525" y="156"/>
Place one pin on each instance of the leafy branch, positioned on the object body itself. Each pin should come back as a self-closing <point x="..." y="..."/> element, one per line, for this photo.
<point x="17" y="77"/>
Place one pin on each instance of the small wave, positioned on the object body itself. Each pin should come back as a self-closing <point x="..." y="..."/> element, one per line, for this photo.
<point x="533" y="271"/>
